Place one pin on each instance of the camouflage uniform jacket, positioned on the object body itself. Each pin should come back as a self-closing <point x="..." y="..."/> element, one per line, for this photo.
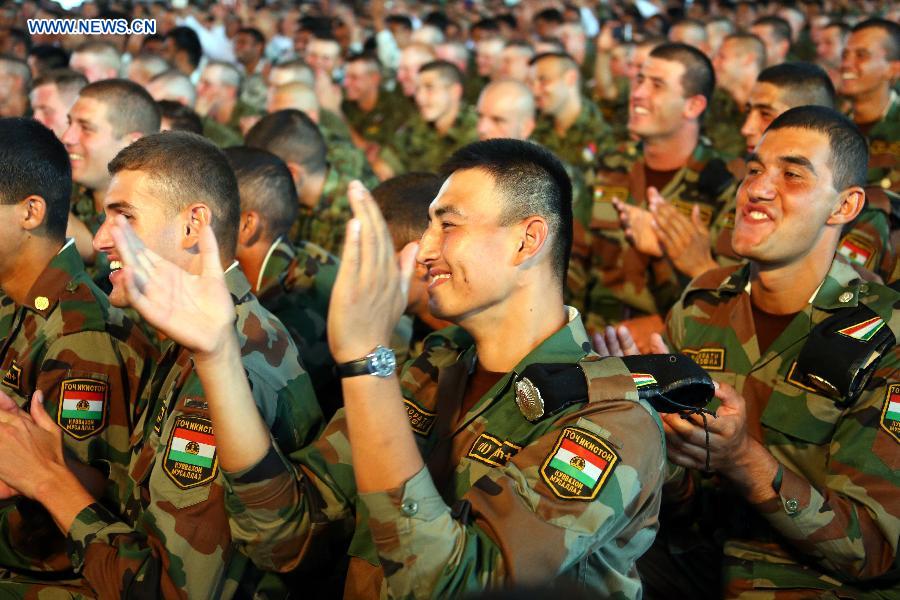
<point x="419" y="147"/>
<point x="836" y="516"/>
<point x="325" y="224"/>
<point x="722" y="124"/>
<point x="517" y="517"/>
<point x="615" y="110"/>
<point x="241" y="109"/>
<point x="585" y="140"/>
<point x="380" y="124"/>
<point x="295" y="285"/>
<point x="866" y="241"/>
<point x="884" y="148"/>
<point x="622" y="282"/>
<point x="222" y="135"/>
<point x="92" y="365"/>
<point x="82" y="202"/>
<point x="166" y="535"/>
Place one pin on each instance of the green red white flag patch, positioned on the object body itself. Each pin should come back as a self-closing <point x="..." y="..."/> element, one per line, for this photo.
<point x="643" y="379"/>
<point x="863" y="331"/>
<point x="855" y="252"/>
<point x="191" y="458"/>
<point x="82" y="407"/>
<point x="579" y="465"/>
<point x="890" y="415"/>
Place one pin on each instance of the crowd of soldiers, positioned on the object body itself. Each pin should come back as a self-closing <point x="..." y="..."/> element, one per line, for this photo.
<point x="471" y="299"/>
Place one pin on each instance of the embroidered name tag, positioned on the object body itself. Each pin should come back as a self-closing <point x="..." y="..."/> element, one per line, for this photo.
<point x="13" y="377"/>
<point x="711" y="359"/>
<point x="420" y="419"/>
<point x="492" y="451"/>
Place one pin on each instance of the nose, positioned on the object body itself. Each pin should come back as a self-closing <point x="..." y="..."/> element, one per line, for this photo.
<point x="69" y="136"/>
<point x="759" y="187"/>
<point x="103" y="241"/>
<point x="428" y="246"/>
<point x="750" y="129"/>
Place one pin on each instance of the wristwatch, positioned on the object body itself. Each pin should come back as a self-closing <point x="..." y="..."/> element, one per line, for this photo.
<point x="381" y="362"/>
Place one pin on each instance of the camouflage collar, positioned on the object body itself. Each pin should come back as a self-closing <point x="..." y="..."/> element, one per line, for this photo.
<point x="59" y="276"/>
<point x="278" y="259"/>
<point x="568" y="345"/>
<point x="237" y="284"/>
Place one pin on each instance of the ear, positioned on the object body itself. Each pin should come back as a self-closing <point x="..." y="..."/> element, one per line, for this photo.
<point x="196" y="217"/>
<point x="694" y="106"/>
<point x="297" y="173"/>
<point x="528" y="127"/>
<point x="850" y="202"/>
<point x="571" y="77"/>
<point x="534" y="234"/>
<point x="33" y="212"/>
<point x="248" y="228"/>
<point x="457" y="91"/>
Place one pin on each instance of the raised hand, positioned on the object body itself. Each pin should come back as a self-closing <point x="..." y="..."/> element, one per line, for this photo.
<point x="196" y="311"/>
<point x="615" y="341"/>
<point x="684" y="240"/>
<point x="31" y="445"/>
<point x="370" y="292"/>
<point x="637" y="223"/>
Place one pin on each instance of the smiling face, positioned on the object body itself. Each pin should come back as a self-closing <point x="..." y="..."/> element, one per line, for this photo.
<point x="657" y="106"/>
<point x="864" y="65"/>
<point x="91" y="142"/>
<point x="765" y="104"/>
<point x="468" y="254"/>
<point x="786" y="198"/>
<point x="131" y="194"/>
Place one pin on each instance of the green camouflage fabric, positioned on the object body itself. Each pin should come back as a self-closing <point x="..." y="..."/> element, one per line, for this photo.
<point x="350" y="161"/>
<point x="93" y="365"/>
<point x="82" y="203"/>
<point x="866" y="242"/>
<point x="380" y="124"/>
<point x="241" y="110"/>
<point x="622" y="282"/>
<point x="615" y="112"/>
<point x="588" y="138"/>
<point x="472" y="87"/>
<point x="884" y="148"/>
<point x="515" y="519"/>
<point x="221" y="135"/>
<point x="295" y="285"/>
<point x="333" y="127"/>
<point x="722" y="124"/>
<point x="167" y="535"/>
<point x="419" y="147"/>
<point x="833" y="529"/>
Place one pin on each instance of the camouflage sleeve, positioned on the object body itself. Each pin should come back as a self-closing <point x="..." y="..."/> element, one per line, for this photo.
<point x="280" y="508"/>
<point x="848" y="519"/>
<point x="535" y="517"/>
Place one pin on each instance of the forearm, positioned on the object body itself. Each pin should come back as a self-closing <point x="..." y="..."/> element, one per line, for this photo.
<point x="63" y="496"/>
<point x="242" y="436"/>
<point x="605" y="85"/>
<point x="377" y="419"/>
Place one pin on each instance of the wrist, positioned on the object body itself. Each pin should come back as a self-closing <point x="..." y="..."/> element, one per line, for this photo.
<point x="220" y="354"/>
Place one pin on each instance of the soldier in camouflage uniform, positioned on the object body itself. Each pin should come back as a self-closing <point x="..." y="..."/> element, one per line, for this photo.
<point x="218" y="96"/>
<point x="373" y="113"/>
<point x="60" y="337"/>
<point x="107" y="116"/>
<point x="444" y="124"/>
<point x="668" y="99"/>
<point x="566" y="488"/>
<point x="804" y="445"/>
<point x="321" y="187"/>
<point x="165" y="532"/>
<point x="870" y="65"/>
<point x="569" y="124"/>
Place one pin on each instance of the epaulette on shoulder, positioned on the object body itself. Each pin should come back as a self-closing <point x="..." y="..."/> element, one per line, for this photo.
<point x="83" y="307"/>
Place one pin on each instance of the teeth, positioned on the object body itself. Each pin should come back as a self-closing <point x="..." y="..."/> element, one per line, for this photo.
<point x="640" y="110"/>
<point x="115" y="265"/>
<point x="758" y="215"/>
<point x="848" y="76"/>
<point x="73" y="156"/>
<point x="441" y="276"/>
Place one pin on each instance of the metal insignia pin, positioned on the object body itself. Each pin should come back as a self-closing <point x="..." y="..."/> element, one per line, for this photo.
<point x="845" y="297"/>
<point x="528" y="399"/>
<point x="41" y="303"/>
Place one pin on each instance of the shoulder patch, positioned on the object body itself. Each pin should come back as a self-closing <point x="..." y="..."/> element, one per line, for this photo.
<point x="83" y="406"/>
<point x="578" y="465"/>
<point x="606" y="193"/>
<point x="13" y="377"/>
<point x="643" y="379"/>
<point x="864" y="331"/>
<point x="420" y="419"/>
<point x="191" y="458"/>
<point x="491" y="451"/>
<point x="711" y="359"/>
<point x="890" y="414"/>
<point x="857" y="250"/>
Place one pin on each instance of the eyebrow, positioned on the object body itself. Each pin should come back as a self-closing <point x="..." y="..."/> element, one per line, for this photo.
<point x="121" y="204"/>
<point x="448" y="210"/>
<point x="761" y="106"/>
<point x="800" y="161"/>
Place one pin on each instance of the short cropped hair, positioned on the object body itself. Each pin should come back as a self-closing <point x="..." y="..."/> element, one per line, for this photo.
<point x="801" y="83"/>
<point x="41" y="168"/>
<point x="177" y="84"/>
<point x="892" y="35"/>
<point x="404" y="201"/>
<point x="181" y="117"/>
<point x="11" y="65"/>
<point x="447" y="71"/>
<point x="747" y="42"/>
<point x="48" y="57"/>
<point x="66" y="81"/>
<point x="532" y="181"/>
<point x="187" y="39"/>
<point x="849" y="152"/>
<point x="255" y="33"/>
<point x="186" y="167"/>
<point x="293" y="137"/>
<point x="266" y="188"/>
<point x="699" y="77"/>
<point x="299" y="70"/>
<point x="129" y="107"/>
<point x="105" y="52"/>
<point x="781" y="29"/>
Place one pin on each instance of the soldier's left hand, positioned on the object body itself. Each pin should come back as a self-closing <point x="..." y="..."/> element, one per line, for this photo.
<point x="729" y="441"/>
<point x="370" y="292"/>
<point x="615" y="341"/>
<point x="684" y="240"/>
<point x="31" y="444"/>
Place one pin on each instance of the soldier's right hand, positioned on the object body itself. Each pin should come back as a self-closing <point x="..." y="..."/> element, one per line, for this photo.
<point x="638" y="225"/>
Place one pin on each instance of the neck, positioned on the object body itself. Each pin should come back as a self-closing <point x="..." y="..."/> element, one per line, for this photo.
<point x="32" y="257"/>
<point x="505" y="333"/>
<point x="673" y="151"/>
<point x="871" y="106"/>
<point x="250" y="67"/>
<point x="423" y="314"/>
<point x="446" y="121"/>
<point x="568" y="115"/>
<point x="251" y="259"/>
<point x="786" y="289"/>
<point x="99" y="194"/>
<point x="221" y="112"/>
<point x="312" y="189"/>
<point x="368" y="100"/>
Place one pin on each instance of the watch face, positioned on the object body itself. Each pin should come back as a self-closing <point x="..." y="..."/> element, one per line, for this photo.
<point x="383" y="362"/>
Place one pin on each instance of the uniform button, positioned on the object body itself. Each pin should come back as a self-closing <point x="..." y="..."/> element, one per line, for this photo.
<point x="846" y="297"/>
<point x="71" y="286"/>
<point x="886" y="183"/>
<point x="792" y="506"/>
<point x="410" y="508"/>
<point x="41" y="303"/>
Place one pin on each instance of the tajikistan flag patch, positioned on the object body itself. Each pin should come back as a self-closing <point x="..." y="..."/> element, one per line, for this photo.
<point x="890" y="415"/>
<point x="864" y="331"/>
<point x="856" y="251"/>
<point x="82" y="406"/>
<point x="643" y="379"/>
<point x="579" y="465"/>
<point x="191" y="454"/>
